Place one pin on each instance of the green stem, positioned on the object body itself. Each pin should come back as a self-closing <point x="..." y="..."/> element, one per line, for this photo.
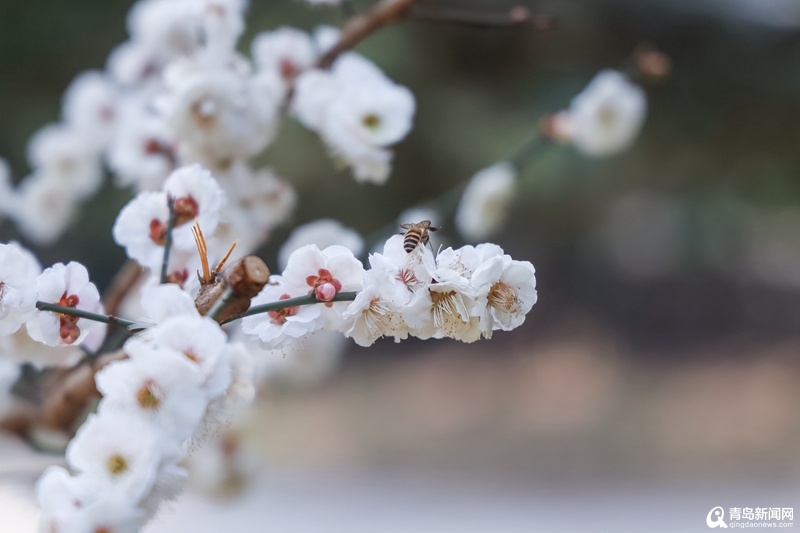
<point x="71" y="311"/>
<point x="221" y="303"/>
<point x="291" y="302"/>
<point x="168" y="238"/>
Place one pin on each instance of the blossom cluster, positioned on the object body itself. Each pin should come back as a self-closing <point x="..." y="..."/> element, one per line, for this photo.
<point x="179" y="93"/>
<point x="460" y="294"/>
<point x="179" y="383"/>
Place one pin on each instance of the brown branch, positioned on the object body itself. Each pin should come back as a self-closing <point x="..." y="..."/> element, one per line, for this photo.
<point x="518" y="18"/>
<point x="360" y="27"/>
<point x="60" y="398"/>
<point x="238" y="285"/>
<point x="122" y="283"/>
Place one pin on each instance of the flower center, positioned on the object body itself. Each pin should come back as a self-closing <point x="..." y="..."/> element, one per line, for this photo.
<point x="287" y="68"/>
<point x="204" y="112"/>
<point x="117" y="464"/>
<point x="279" y="317"/>
<point x="606" y="116"/>
<point x="149" y="396"/>
<point x="185" y="209"/>
<point x="68" y="330"/>
<point x="445" y="308"/>
<point x="323" y="285"/>
<point x="378" y="318"/>
<point x="504" y="298"/>
<point x="408" y="278"/>
<point x="178" y="277"/>
<point x="371" y="121"/>
<point x="191" y="355"/>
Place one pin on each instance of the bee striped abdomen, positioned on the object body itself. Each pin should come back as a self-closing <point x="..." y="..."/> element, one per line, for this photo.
<point x="411" y="240"/>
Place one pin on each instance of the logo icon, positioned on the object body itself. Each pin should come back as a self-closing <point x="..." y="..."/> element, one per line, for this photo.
<point x="715" y="518"/>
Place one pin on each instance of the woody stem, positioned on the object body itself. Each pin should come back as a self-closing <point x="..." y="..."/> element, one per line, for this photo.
<point x="291" y="302"/>
<point x="71" y="311"/>
<point x="168" y="238"/>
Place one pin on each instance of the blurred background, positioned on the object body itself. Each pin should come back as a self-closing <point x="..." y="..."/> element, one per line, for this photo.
<point x="657" y="376"/>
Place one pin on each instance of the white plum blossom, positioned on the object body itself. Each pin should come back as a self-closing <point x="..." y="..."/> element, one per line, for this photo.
<point x="68" y="155"/>
<point x="323" y="232"/>
<point x="141" y="226"/>
<point x="324" y="273"/>
<point x="67" y="286"/>
<point x="607" y="116"/>
<point x="285" y="51"/>
<point x="18" y="287"/>
<point x="373" y="315"/>
<point x="280" y="328"/>
<point x="199" y="340"/>
<point x="142" y="153"/>
<point x="42" y="208"/>
<point x="484" y="204"/>
<point x="505" y="291"/>
<point x="443" y="310"/>
<point x="358" y="111"/>
<point x="91" y="105"/>
<point x="122" y="452"/>
<point x="161" y="386"/>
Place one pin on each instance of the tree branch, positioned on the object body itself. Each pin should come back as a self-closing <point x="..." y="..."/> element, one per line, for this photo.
<point x="71" y="311"/>
<point x="518" y="18"/>
<point x="360" y="27"/>
<point x="291" y="302"/>
<point x="168" y="238"/>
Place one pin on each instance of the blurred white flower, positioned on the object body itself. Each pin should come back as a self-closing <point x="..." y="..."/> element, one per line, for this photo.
<point x="91" y="105"/>
<point x="323" y="232"/>
<point x="120" y="452"/>
<point x="280" y="328"/>
<point x="166" y="301"/>
<point x="326" y="37"/>
<point x="61" y="498"/>
<point x="358" y="111"/>
<point x="20" y="347"/>
<point x="505" y="291"/>
<point x="162" y="387"/>
<point x="43" y="208"/>
<point x="484" y="204"/>
<point x="142" y="153"/>
<point x="67" y="286"/>
<point x="285" y="51"/>
<point x="18" y="287"/>
<point x="607" y="116"/>
<point x="197" y="197"/>
<point x="219" y="116"/>
<point x="69" y="156"/>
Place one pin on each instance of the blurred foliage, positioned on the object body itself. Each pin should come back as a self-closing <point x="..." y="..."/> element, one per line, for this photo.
<point x="721" y="138"/>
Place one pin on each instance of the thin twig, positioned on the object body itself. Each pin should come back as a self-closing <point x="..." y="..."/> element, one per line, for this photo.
<point x="168" y="238"/>
<point x="518" y="18"/>
<point x="291" y="302"/>
<point x="223" y="302"/>
<point x="360" y="27"/>
<point x="71" y="311"/>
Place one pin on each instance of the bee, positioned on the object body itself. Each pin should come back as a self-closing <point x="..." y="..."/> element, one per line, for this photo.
<point x="416" y="234"/>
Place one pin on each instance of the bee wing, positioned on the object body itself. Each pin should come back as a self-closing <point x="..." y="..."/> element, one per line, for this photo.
<point x="407" y="226"/>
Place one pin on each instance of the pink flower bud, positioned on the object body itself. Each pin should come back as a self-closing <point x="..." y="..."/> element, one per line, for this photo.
<point x="326" y="292"/>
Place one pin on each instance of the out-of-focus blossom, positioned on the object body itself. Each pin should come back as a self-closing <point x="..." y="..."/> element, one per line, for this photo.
<point x="607" y="116"/>
<point x="484" y="204"/>
<point x="42" y="208"/>
<point x="91" y="105"/>
<point x="358" y="111"/>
